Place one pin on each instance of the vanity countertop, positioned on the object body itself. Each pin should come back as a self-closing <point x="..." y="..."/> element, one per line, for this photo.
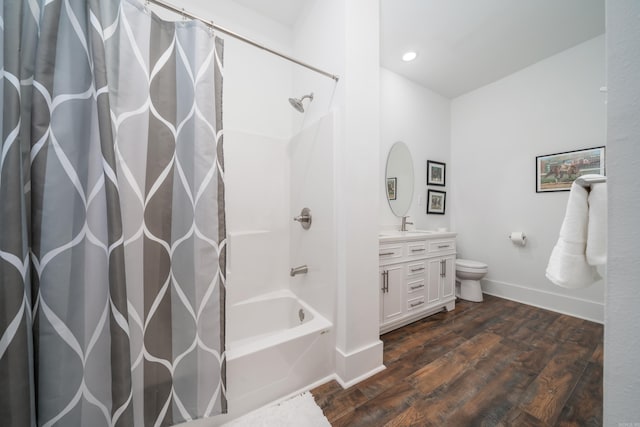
<point x="395" y="235"/>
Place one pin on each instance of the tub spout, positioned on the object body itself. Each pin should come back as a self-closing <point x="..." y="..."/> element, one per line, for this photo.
<point x="299" y="270"/>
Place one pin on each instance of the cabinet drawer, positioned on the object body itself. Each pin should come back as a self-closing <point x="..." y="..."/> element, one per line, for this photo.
<point x="416" y="249"/>
<point x="416" y="268"/>
<point x="415" y="286"/>
<point x="390" y="253"/>
<point x="415" y="303"/>
<point x="442" y="246"/>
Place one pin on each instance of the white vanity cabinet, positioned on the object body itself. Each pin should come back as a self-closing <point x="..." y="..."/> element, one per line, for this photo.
<point x="417" y="276"/>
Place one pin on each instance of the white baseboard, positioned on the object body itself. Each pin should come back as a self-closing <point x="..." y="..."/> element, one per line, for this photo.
<point x="576" y="307"/>
<point x="358" y="365"/>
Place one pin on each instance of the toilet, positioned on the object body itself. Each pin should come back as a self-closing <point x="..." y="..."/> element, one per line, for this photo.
<point x="468" y="275"/>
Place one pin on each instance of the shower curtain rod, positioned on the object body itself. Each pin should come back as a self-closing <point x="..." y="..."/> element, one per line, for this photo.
<point x="210" y="24"/>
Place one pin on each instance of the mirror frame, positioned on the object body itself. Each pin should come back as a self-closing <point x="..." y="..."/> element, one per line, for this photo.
<point x="398" y="149"/>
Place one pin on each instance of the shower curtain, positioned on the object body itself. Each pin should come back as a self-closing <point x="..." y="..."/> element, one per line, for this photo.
<point x="112" y="227"/>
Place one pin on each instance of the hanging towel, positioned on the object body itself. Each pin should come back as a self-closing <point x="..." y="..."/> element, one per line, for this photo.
<point x="568" y="265"/>
<point x="597" y="228"/>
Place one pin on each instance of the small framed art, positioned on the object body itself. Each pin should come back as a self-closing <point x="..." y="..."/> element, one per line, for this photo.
<point x="435" y="173"/>
<point x="436" y="202"/>
<point x="392" y="184"/>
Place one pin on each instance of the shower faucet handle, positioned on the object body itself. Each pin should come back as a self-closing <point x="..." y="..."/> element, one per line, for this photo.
<point x="304" y="218"/>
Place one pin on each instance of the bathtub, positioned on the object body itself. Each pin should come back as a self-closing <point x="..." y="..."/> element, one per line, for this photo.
<point x="276" y="345"/>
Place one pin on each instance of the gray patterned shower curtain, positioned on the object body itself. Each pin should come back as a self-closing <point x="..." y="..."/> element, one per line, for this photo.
<point x="112" y="227"/>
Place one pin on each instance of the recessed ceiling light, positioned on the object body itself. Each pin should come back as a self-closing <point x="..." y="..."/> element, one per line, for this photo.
<point x="409" y="56"/>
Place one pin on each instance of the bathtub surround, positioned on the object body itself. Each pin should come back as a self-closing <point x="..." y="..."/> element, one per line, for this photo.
<point x="123" y="179"/>
<point x="310" y="153"/>
<point x="299" y="354"/>
<point x="259" y="217"/>
<point x="292" y="173"/>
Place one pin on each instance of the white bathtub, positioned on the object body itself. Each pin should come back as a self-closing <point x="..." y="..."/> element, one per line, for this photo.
<point x="271" y="352"/>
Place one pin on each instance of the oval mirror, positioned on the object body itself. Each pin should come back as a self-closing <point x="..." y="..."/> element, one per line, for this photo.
<point x="399" y="179"/>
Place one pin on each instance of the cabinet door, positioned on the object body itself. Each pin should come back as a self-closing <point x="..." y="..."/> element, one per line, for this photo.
<point x="392" y="292"/>
<point x="434" y="275"/>
<point x="449" y="278"/>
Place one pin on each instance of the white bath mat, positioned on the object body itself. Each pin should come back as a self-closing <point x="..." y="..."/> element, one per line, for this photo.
<point x="298" y="411"/>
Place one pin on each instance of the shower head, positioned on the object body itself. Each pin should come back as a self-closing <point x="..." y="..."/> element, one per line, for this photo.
<point x="297" y="103"/>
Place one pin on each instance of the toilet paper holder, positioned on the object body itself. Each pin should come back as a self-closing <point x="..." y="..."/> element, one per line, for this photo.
<point x="518" y="237"/>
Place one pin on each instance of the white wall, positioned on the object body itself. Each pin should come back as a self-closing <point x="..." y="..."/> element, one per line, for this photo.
<point x="315" y="183"/>
<point x="497" y="132"/>
<point x="257" y="213"/>
<point x="621" y="337"/>
<point x="312" y="178"/>
<point x="359" y="347"/>
<point x="421" y="119"/>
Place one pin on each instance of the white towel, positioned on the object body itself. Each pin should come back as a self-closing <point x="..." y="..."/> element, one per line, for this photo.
<point x="597" y="229"/>
<point x="568" y="265"/>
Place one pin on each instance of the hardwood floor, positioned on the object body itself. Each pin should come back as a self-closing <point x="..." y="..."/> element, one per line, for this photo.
<point x="498" y="363"/>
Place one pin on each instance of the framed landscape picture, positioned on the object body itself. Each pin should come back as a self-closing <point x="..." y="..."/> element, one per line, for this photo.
<point x="436" y="202"/>
<point x="435" y="173"/>
<point x="556" y="172"/>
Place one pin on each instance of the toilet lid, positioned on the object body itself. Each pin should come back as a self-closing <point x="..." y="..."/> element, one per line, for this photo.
<point x="470" y="264"/>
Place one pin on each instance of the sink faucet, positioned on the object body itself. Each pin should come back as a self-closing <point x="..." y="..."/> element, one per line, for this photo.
<point x="405" y="223"/>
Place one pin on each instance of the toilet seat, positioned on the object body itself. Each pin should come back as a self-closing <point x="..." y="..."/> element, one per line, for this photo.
<point x="471" y="266"/>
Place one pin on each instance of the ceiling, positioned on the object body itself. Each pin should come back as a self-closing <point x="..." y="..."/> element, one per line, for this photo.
<point x="465" y="44"/>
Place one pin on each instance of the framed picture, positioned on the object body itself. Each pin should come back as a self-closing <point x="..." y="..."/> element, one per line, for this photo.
<point x="391" y="188"/>
<point x="435" y="173"/>
<point x="556" y="172"/>
<point x="436" y="202"/>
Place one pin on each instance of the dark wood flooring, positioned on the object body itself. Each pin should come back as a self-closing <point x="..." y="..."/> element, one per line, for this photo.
<point x="496" y="363"/>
